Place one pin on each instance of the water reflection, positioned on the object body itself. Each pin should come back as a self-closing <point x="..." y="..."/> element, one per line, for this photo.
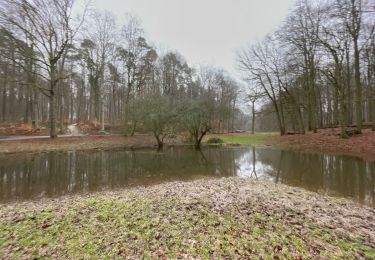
<point x="329" y="174"/>
<point x="58" y="173"/>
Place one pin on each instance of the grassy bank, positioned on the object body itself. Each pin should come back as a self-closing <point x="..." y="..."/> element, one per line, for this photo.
<point x="245" y="138"/>
<point x="115" y="141"/>
<point x="325" y="141"/>
<point x="205" y="219"/>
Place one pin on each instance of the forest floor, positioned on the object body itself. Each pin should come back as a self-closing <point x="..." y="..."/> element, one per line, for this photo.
<point x="77" y="143"/>
<point x="20" y="129"/>
<point x="12" y="129"/>
<point x="207" y="218"/>
<point x="117" y="141"/>
<point x="328" y="141"/>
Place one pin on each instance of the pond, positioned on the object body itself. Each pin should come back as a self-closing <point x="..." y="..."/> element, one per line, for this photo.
<point x="53" y="174"/>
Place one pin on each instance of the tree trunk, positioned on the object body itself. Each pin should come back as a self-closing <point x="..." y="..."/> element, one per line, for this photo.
<point x="349" y="106"/>
<point x="321" y="123"/>
<point x="343" y="133"/>
<point x="329" y="108"/>
<point x="36" y="109"/>
<point x="126" y="109"/>
<point x="358" y="87"/>
<point x="159" y="141"/>
<point x="253" y="119"/>
<point x="312" y="102"/>
<point x="335" y="108"/>
<point x="372" y="109"/>
<point x="301" y="123"/>
<point x="279" y="120"/>
<point x="12" y="98"/>
<point x="4" y="105"/>
<point x="102" y="116"/>
<point x="71" y="108"/>
<point x="61" y="112"/>
<point x="28" y="107"/>
<point x="52" y="118"/>
<point x="233" y="113"/>
<point x="281" y="113"/>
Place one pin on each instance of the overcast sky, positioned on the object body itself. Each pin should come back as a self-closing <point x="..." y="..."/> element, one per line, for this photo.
<point x="203" y="31"/>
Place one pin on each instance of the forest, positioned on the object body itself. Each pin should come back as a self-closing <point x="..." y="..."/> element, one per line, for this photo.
<point x="60" y="70"/>
<point x="315" y="71"/>
<point x="318" y="69"/>
<point x="116" y="146"/>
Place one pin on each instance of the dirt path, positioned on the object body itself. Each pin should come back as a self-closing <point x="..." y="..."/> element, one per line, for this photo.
<point x="74" y="130"/>
<point x="22" y="138"/>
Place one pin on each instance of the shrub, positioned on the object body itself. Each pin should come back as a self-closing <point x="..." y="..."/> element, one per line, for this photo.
<point x="215" y="140"/>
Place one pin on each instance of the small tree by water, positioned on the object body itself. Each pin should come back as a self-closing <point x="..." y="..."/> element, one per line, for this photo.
<point x="195" y="117"/>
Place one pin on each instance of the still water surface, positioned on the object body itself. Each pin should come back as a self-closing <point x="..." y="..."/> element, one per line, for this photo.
<point x="54" y="174"/>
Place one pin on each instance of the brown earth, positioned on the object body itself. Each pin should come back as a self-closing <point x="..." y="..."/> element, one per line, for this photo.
<point x="78" y="143"/>
<point x="22" y="130"/>
<point x="17" y="129"/>
<point x="328" y="141"/>
<point x="93" y="128"/>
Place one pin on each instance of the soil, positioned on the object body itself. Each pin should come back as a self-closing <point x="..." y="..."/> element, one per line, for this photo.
<point x="79" y="143"/>
<point x="328" y="141"/>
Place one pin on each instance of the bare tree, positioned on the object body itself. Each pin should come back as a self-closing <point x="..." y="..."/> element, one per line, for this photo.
<point x="48" y="24"/>
<point x="254" y="96"/>
<point x="97" y="49"/>
<point x="300" y="32"/>
<point x="256" y="63"/>
<point x="132" y="54"/>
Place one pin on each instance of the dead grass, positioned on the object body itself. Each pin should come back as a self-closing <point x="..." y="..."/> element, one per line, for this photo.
<point x="222" y="218"/>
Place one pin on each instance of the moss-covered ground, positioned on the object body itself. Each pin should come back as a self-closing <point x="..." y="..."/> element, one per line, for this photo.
<point x="225" y="218"/>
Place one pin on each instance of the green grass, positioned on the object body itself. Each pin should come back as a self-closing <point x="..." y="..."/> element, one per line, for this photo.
<point x="245" y="139"/>
<point x="106" y="228"/>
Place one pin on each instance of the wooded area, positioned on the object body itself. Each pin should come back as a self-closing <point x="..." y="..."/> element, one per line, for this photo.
<point x="154" y="157"/>
<point x="318" y="69"/>
<point x="59" y="69"/>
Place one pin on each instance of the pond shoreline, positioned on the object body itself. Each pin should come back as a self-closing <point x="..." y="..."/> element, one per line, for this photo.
<point x="227" y="217"/>
<point x="328" y="141"/>
<point x="325" y="141"/>
<point x="77" y="143"/>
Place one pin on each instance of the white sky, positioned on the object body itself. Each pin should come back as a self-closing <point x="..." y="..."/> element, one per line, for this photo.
<point x="205" y="32"/>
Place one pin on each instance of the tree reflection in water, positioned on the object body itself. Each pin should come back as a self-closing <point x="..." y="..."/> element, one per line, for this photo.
<point x="58" y="173"/>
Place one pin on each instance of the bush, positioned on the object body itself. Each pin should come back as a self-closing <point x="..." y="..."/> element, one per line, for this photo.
<point x="172" y="136"/>
<point x="215" y="140"/>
